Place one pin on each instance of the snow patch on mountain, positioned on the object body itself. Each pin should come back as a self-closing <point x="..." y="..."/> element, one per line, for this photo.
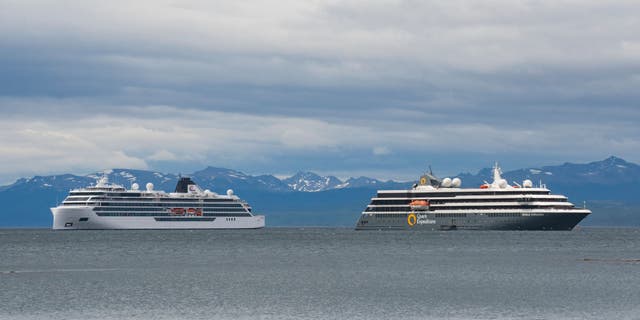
<point x="311" y="182"/>
<point x="128" y="176"/>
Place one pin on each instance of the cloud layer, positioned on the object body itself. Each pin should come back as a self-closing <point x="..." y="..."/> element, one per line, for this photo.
<point x="346" y="86"/>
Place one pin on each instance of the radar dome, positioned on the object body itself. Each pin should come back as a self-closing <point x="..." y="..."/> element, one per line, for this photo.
<point x="135" y="186"/>
<point x="230" y="192"/>
<point x="503" y="183"/>
<point x="456" y="182"/>
<point x="446" y="182"/>
<point x="149" y="186"/>
<point x="527" y="183"/>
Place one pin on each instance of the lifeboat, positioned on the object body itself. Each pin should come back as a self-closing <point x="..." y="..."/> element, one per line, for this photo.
<point x="484" y="186"/>
<point x="177" y="211"/>
<point x="191" y="211"/>
<point x="423" y="203"/>
<point x="419" y="204"/>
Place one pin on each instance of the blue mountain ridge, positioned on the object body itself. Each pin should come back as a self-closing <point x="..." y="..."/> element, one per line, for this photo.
<point x="610" y="187"/>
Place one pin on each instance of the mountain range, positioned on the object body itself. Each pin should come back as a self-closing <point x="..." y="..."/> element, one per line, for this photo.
<point x="218" y="179"/>
<point x="307" y="198"/>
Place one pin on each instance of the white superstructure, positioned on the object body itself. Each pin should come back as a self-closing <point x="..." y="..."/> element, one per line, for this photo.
<point x="110" y="206"/>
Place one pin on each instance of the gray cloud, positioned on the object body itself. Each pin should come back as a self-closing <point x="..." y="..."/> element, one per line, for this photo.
<point x="324" y="85"/>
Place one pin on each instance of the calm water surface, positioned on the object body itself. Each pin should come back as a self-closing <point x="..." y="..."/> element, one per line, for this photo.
<point x="319" y="274"/>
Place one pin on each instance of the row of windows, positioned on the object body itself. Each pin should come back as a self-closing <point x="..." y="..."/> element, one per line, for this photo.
<point x="184" y="204"/>
<point x="185" y="219"/>
<point x="125" y="194"/>
<point x="438" y="215"/>
<point x="165" y="214"/>
<point x="115" y="209"/>
<point x="147" y="199"/>
<point x="154" y="199"/>
<point x="224" y="209"/>
<point x="86" y="193"/>
<point x="128" y="196"/>
<point x="525" y="206"/>
<point x="122" y="207"/>
<point x="437" y="201"/>
<point x="391" y="202"/>
<point x="407" y="208"/>
<point x="387" y="215"/>
<point x="387" y="209"/>
<point x="172" y="200"/>
<point x="525" y="199"/>
<point x="76" y="198"/>
<point x="452" y="194"/>
<point x="220" y="205"/>
<point x="126" y="209"/>
<point x="204" y="199"/>
<point x="504" y="214"/>
<point x="450" y="215"/>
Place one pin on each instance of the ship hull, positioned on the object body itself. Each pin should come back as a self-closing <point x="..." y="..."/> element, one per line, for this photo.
<point x="435" y="222"/>
<point x="83" y="217"/>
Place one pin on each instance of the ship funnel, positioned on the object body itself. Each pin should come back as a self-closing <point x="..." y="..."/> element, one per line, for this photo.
<point x="183" y="185"/>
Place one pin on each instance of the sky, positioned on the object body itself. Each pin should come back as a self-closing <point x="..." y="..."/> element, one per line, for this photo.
<point x="349" y="88"/>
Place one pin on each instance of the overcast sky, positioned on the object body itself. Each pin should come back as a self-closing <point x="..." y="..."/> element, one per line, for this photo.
<point x="377" y="88"/>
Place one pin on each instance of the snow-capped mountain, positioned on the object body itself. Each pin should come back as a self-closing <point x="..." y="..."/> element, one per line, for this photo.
<point x="612" y="171"/>
<point x="311" y="182"/>
<point x="220" y="179"/>
<point x="215" y="179"/>
<point x="365" y="182"/>
<point x="57" y="182"/>
<point x="65" y="182"/>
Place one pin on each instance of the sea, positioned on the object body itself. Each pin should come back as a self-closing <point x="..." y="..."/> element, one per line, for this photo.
<point x="319" y="273"/>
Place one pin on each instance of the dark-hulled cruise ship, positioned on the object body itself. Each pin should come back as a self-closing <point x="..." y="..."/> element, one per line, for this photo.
<point x="110" y="206"/>
<point x="435" y="204"/>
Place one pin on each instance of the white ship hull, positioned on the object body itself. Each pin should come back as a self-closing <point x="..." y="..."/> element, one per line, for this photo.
<point x="83" y="217"/>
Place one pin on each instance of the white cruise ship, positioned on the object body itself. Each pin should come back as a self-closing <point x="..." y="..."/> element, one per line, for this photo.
<point x="110" y="206"/>
<point x="436" y="204"/>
